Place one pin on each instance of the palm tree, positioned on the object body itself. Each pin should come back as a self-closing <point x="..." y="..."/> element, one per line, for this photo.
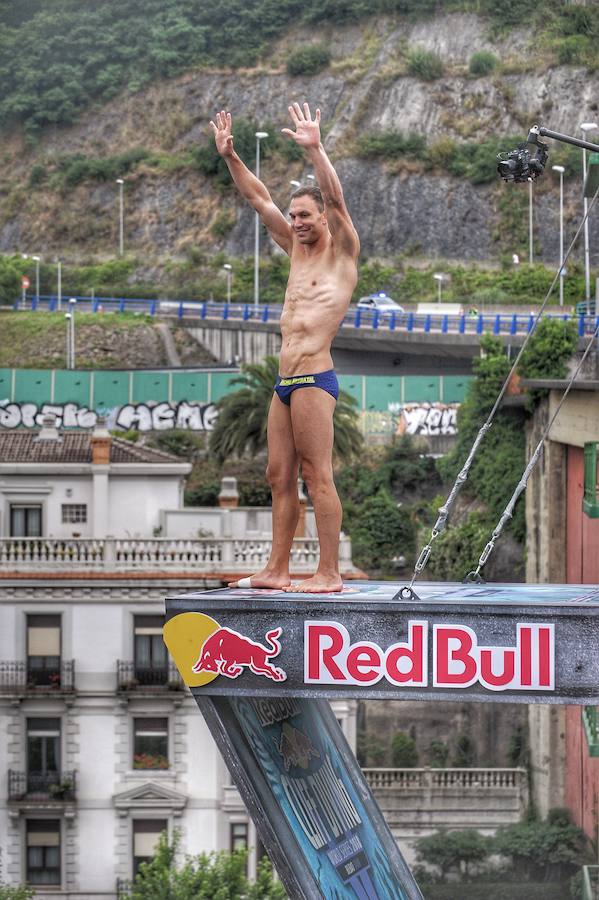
<point x="243" y="415"/>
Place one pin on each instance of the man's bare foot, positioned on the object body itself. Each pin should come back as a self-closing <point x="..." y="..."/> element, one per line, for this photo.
<point x="264" y="579"/>
<point x="317" y="584"/>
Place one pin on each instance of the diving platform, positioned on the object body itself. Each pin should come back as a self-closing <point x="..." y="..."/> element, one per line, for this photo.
<point x="261" y="665"/>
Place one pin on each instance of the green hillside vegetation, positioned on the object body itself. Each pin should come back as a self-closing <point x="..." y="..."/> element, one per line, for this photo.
<point x="38" y="341"/>
<point x="200" y="276"/>
<point x="56" y="59"/>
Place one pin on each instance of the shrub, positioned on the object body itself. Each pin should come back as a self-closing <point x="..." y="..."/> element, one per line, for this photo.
<point x="309" y="60"/>
<point x="379" y="530"/>
<point x="10" y="280"/>
<point x="482" y="62"/>
<point x="453" y="850"/>
<point x="391" y="144"/>
<point x="404" y="754"/>
<point x="223" y="223"/>
<point x="37" y="175"/>
<point x="571" y="50"/>
<point x="424" y="64"/>
<point x="552" y="849"/>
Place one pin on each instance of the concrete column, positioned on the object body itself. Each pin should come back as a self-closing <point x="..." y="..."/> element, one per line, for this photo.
<point x="229" y="496"/>
<point x="100" y="501"/>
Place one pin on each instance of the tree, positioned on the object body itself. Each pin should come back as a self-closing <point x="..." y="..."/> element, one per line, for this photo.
<point x="403" y="751"/>
<point x="209" y="876"/>
<point x="551" y="850"/>
<point x="16" y="893"/>
<point x="243" y="415"/>
<point x="453" y="851"/>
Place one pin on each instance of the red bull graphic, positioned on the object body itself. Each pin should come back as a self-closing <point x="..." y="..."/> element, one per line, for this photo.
<point x="459" y="660"/>
<point x="226" y="652"/>
<point x="295" y="747"/>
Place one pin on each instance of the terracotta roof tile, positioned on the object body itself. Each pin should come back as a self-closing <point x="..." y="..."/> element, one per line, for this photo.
<point x="22" y="446"/>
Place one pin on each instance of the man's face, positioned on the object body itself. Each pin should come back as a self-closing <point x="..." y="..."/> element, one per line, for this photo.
<point x="308" y="222"/>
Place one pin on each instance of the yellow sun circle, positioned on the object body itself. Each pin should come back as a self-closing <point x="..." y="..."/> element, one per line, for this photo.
<point x="184" y="636"/>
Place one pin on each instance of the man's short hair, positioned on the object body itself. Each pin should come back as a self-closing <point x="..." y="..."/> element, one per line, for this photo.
<point x="313" y="192"/>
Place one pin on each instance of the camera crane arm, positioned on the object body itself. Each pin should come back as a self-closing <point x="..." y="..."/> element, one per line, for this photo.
<point x="538" y="131"/>
<point x="519" y="165"/>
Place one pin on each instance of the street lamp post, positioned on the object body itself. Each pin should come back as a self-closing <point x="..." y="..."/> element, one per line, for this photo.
<point x="439" y="278"/>
<point x="36" y="259"/>
<point x="560" y="170"/>
<point x="59" y="285"/>
<point x="121" y="183"/>
<point x="229" y="272"/>
<point x="530" y="224"/>
<point x="72" y="303"/>
<point x="67" y="317"/>
<point x="260" y="135"/>
<point x="585" y="127"/>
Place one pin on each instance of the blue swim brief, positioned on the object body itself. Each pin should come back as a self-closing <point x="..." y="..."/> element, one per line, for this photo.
<point x="327" y="381"/>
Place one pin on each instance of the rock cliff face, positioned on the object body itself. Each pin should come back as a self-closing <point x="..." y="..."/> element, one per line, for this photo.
<point x="399" y="209"/>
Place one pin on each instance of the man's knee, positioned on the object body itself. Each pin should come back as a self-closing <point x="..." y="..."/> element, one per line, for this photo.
<point x="317" y="477"/>
<point x="281" y="478"/>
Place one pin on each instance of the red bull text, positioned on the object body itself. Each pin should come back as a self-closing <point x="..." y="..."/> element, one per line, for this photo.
<point x="458" y="661"/>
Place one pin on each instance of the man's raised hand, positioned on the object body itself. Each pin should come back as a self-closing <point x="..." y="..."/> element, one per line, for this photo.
<point x="307" y="129"/>
<point x="222" y="133"/>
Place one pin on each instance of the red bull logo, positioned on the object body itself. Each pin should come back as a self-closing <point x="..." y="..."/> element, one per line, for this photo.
<point x="226" y="652"/>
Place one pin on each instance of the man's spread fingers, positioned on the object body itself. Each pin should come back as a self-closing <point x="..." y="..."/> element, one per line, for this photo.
<point x="287" y="131"/>
<point x="307" y="112"/>
<point x="317" y="115"/>
<point x="298" y="111"/>
<point x="293" y="114"/>
<point x="213" y="126"/>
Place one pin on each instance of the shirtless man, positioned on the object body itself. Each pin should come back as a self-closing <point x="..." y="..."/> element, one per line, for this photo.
<point x="323" y="245"/>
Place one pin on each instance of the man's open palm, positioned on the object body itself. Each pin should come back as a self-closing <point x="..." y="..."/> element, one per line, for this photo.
<point x="307" y="129"/>
<point x="223" y="136"/>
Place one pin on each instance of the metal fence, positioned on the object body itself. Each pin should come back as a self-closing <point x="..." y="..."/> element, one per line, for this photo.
<point x="357" y="317"/>
<point x="42" y="785"/>
<point x="19" y="677"/>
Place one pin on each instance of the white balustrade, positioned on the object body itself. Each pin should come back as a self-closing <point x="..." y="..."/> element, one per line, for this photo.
<point x="464" y="779"/>
<point x="210" y="555"/>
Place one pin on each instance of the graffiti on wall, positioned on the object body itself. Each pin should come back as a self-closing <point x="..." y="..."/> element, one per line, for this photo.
<point x="428" y="419"/>
<point x="138" y="416"/>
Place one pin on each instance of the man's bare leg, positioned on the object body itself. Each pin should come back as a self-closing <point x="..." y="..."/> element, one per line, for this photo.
<point x="281" y="474"/>
<point x="312" y="418"/>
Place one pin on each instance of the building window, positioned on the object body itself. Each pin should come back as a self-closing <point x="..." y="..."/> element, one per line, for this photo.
<point x="150" y="743"/>
<point x="43" y="754"/>
<point x="43" y="851"/>
<point x="239" y="836"/>
<point x="43" y="650"/>
<point x="146" y="833"/>
<point x="25" y="520"/>
<point x="74" y="513"/>
<point x="150" y="657"/>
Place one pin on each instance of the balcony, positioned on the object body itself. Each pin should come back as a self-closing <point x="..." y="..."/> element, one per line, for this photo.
<point x="19" y="677"/>
<point x="123" y="889"/>
<point x="208" y="556"/>
<point x="41" y="787"/>
<point x="147" y="679"/>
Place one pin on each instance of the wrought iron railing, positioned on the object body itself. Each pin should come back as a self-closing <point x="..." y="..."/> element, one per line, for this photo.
<point x="19" y="677"/>
<point x="134" y="677"/>
<point x="123" y="889"/>
<point x="42" y="785"/>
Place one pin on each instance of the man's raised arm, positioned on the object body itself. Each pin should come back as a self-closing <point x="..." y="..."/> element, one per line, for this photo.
<point x="250" y="187"/>
<point x="307" y="135"/>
